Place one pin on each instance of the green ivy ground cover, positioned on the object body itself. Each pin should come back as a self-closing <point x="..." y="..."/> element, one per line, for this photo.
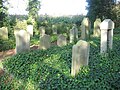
<point x="50" y="69"/>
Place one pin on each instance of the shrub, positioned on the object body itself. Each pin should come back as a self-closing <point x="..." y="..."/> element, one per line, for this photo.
<point x="21" y="25"/>
<point x="7" y="44"/>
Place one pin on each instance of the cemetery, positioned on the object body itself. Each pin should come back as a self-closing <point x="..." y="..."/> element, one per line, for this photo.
<point x="60" y="53"/>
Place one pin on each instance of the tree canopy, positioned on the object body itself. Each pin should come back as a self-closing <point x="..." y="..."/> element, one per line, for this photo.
<point x="3" y="12"/>
<point x="101" y="9"/>
<point x="33" y="8"/>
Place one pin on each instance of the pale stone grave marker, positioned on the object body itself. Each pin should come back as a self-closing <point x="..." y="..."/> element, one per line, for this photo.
<point x="4" y="33"/>
<point x="97" y="27"/>
<point x="61" y="41"/>
<point x="45" y="42"/>
<point x="73" y="34"/>
<point x="30" y="29"/>
<point x="16" y="30"/>
<point x="80" y="56"/>
<point x="42" y="31"/>
<point x="54" y="29"/>
<point x="22" y="41"/>
<point x="106" y="27"/>
<point x="85" y="29"/>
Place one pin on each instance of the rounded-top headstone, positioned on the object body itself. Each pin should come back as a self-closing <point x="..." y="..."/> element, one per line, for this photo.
<point x="107" y="24"/>
<point x="45" y="42"/>
<point x="22" y="41"/>
<point x="30" y="29"/>
<point x="61" y="41"/>
<point x="86" y="22"/>
<point x="42" y="31"/>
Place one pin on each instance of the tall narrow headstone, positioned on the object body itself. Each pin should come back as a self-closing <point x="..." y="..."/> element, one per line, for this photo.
<point x="80" y="56"/>
<point x="30" y="30"/>
<point x="106" y="27"/>
<point x="42" y="31"/>
<point x="4" y="33"/>
<point x="61" y="41"/>
<point x="96" y="31"/>
<point x="22" y="41"/>
<point x="85" y="29"/>
<point x="16" y="30"/>
<point x="45" y="42"/>
<point x="54" y="29"/>
<point x="73" y="34"/>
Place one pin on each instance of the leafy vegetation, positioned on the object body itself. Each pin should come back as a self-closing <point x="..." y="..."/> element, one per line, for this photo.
<point x="50" y="69"/>
<point x="103" y="9"/>
<point x="33" y="8"/>
<point x="3" y="13"/>
<point x="7" y="44"/>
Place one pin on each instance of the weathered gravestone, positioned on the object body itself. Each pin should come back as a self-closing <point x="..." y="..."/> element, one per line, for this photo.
<point x="96" y="31"/>
<point x="85" y="29"/>
<point x="42" y="31"/>
<point x="4" y="33"/>
<point x="61" y="40"/>
<point x="80" y="56"/>
<point x="45" y="42"/>
<point x="54" y="29"/>
<point x="106" y="27"/>
<point x="30" y="30"/>
<point x="73" y="34"/>
<point x="16" y="30"/>
<point x="22" y="41"/>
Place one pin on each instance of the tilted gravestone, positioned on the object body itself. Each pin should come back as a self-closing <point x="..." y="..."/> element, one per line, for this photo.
<point x="96" y="31"/>
<point x="106" y="27"/>
<point x="30" y="30"/>
<point x="80" y="56"/>
<point x="42" y="31"/>
<point x="61" y="40"/>
<point x="22" y="41"/>
<point x="45" y="42"/>
<point x="54" y="29"/>
<point x="85" y="29"/>
<point x="73" y="34"/>
<point x="4" y="33"/>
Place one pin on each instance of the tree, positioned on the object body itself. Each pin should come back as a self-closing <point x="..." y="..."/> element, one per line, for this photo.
<point x="33" y="8"/>
<point x="116" y="10"/>
<point x="3" y="12"/>
<point x="100" y="9"/>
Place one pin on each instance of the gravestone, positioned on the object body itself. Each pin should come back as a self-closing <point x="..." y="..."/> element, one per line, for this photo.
<point x="45" y="42"/>
<point x="85" y="29"/>
<point x="16" y="30"/>
<point x="73" y="34"/>
<point x="61" y="40"/>
<point x="54" y="29"/>
<point x="22" y="41"/>
<point x="80" y="56"/>
<point x="42" y="31"/>
<point x="4" y="33"/>
<point x="106" y="27"/>
<point x="30" y="30"/>
<point x="96" y="31"/>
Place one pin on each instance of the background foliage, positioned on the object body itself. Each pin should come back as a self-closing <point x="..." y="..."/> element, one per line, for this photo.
<point x="102" y="9"/>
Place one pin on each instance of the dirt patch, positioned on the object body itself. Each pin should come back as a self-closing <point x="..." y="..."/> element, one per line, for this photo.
<point x="1" y="72"/>
<point x="11" y="52"/>
<point x="7" y="53"/>
<point x="34" y="47"/>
